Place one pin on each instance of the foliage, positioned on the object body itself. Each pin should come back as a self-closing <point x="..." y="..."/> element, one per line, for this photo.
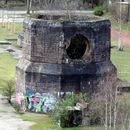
<point x="48" y="4"/>
<point x="94" y="2"/>
<point x="119" y="12"/>
<point x="61" y="112"/>
<point x="17" y="108"/>
<point x="99" y="11"/>
<point x="45" y="123"/>
<point x="87" y="1"/>
<point x="95" y="118"/>
<point x="9" y="90"/>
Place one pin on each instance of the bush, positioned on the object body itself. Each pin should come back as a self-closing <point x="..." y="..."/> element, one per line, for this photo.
<point x="17" y="108"/>
<point x="9" y="90"/>
<point x="99" y="11"/>
<point x="62" y="114"/>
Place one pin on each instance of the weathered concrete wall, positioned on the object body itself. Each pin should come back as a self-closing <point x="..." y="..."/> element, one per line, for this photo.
<point x="43" y="40"/>
<point x="20" y="40"/>
<point x="46" y="66"/>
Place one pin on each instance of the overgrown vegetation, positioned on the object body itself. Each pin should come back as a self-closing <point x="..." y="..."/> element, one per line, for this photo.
<point x="99" y="11"/>
<point x="9" y="90"/>
<point x="62" y="113"/>
<point x="17" y="108"/>
<point x="46" y="123"/>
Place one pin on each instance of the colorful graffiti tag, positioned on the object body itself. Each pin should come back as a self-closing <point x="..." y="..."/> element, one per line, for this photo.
<point x="37" y="102"/>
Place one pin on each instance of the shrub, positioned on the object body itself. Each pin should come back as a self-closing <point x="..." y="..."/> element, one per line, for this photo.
<point x="9" y="90"/>
<point x="61" y="113"/>
<point x="17" y="108"/>
<point x="99" y="11"/>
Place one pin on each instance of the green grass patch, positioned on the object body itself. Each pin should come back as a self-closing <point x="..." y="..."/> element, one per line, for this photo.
<point x="7" y="68"/>
<point x="121" y="59"/>
<point x="125" y="26"/>
<point x="16" y="45"/>
<point x="45" y="123"/>
<point x="3" y="111"/>
<point x="124" y="99"/>
<point x="1" y="90"/>
<point x="10" y="31"/>
<point x="7" y="62"/>
<point x="2" y="46"/>
<point x="20" y="113"/>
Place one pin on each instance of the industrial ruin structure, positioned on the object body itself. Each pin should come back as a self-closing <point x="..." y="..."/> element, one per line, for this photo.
<point x="65" y="55"/>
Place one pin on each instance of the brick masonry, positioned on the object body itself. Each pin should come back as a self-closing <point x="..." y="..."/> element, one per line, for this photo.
<point x="46" y="66"/>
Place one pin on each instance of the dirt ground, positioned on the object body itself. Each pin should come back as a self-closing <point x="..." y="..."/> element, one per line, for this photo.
<point x="9" y="120"/>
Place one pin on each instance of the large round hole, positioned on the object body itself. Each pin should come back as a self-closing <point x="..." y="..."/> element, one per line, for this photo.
<point x="77" y="47"/>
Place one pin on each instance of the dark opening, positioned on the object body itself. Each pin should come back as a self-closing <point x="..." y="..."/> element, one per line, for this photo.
<point x="77" y="47"/>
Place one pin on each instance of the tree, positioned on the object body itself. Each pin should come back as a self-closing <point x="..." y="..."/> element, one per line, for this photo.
<point x="66" y="5"/>
<point x="6" y="1"/>
<point x="120" y="46"/>
<point x="113" y="111"/>
<point x="55" y="4"/>
<point x="93" y="2"/>
<point x="9" y="90"/>
<point x="105" y="102"/>
<point x="29" y="2"/>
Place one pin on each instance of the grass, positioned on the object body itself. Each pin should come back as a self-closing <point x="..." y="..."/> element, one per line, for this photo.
<point x="7" y="68"/>
<point x="11" y="32"/>
<point x="3" y="111"/>
<point x="7" y="62"/>
<point x="121" y="59"/>
<point x="125" y="26"/>
<point x="45" y="123"/>
<point x="2" y="46"/>
<point x="1" y="90"/>
<point x="124" y="99"/>
<point x="16" y="45"/>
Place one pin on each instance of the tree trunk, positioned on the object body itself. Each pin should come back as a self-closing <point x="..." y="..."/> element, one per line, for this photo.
<point x="92" y="3"/>
<point x="106" y="114"/>
<point x="6" y="1"/>
<point x="28" y="6"/>
<point x="9" y="101"/>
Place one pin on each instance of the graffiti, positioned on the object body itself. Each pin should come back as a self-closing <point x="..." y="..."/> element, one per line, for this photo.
<point x="21" y="100"/>
<point x="37" y="102"/>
